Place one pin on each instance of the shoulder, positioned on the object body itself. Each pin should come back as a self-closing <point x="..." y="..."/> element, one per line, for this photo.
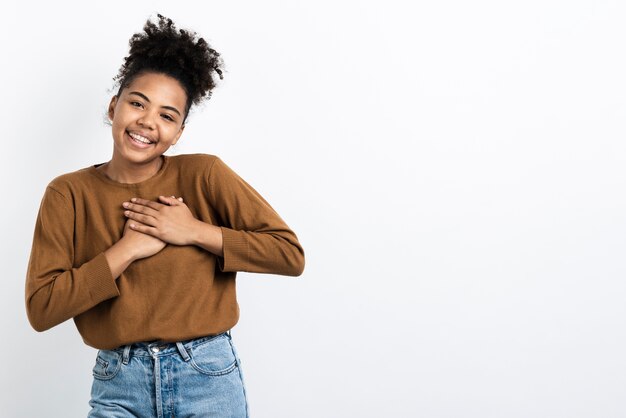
<point x="197" y="162"/>
<point x="67" y="183"/>
<point x="196" y="159"/>
<point x="211" y="167"/>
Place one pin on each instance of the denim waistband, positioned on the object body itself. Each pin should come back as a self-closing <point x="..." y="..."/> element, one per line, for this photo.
<point x="156" y="348"/>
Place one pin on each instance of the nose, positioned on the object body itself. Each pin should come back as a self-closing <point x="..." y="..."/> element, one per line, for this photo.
<point x="147" y="120"/>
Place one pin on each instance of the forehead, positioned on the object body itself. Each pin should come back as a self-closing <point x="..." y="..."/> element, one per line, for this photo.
<point x="160" y="89"/>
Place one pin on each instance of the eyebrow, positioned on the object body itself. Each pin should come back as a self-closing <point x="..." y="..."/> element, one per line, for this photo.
<point x="173" y="109"/>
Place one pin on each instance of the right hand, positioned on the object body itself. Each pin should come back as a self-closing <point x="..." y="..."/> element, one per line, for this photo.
<point x="143" y="245"/>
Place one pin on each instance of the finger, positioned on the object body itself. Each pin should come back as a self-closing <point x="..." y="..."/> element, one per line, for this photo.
<point x="152" y="204"/>
<point x="138" y="226"/>
<point x="135" y="207"/>
<point x="144" y="219"/>
<point x="172" y="201"/>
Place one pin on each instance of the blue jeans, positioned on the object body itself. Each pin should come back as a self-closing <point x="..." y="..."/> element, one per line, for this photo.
<point x="194" y="378"/>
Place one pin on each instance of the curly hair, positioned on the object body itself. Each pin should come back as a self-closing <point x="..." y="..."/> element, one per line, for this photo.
<point x="162" y="48"/>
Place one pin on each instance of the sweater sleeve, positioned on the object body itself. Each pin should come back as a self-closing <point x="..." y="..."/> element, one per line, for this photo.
<point x="55" y="289"/>
<point x="255" y="237"/>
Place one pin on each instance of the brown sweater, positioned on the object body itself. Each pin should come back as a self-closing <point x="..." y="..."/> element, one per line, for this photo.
<point x="181" y="292"/>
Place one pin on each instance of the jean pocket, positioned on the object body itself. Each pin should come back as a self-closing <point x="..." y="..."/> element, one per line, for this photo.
<point x="213" y="357"/>
<point x="108" y="364"/>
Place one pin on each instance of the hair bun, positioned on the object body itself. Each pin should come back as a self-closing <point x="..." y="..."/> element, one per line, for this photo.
<point x="179" y="53"/>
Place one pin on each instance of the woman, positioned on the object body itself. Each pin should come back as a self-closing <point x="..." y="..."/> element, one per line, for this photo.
<point x="142" y="251"/>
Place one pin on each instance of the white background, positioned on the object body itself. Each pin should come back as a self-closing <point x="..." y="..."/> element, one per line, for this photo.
<point x="454" y="170"/>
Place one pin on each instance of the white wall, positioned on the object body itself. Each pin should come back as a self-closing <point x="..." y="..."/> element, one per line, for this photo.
<point x="454" y="170"/>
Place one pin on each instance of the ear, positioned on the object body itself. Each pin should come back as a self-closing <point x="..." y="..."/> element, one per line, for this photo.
<point x="180" y="132"/>
<point x="112" y="104"/>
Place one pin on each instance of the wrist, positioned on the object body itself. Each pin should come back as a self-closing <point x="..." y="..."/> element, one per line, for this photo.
<point x="128" y="251"/>
<point x="119" y="256"/>
<point x="208" y="237"/>
<point x="197" y="229"/>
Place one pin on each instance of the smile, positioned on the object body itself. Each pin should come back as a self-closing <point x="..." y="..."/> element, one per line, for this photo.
<point x="139" y="140"/>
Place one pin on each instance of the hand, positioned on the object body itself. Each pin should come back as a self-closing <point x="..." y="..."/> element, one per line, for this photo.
<point x="142" y="245"/>
<point x="170" y="221"/>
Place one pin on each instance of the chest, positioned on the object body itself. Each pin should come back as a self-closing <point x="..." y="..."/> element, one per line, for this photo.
<point x="99" y="219"/>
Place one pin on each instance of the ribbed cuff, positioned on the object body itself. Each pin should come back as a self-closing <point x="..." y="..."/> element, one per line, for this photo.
<point x="236" y="251"/>
<point x="100" y="280"/>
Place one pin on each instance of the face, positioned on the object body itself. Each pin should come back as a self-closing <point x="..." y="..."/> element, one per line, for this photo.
<point x="149" y="109"/>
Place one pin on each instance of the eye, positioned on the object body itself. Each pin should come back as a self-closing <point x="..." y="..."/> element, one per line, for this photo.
<point x="134" y="103"/>
<point x="168" y="117"/>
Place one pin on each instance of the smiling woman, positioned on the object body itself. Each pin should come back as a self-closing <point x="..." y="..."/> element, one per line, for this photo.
<point x="143" y="251"/>
<point x="146" y="122"/>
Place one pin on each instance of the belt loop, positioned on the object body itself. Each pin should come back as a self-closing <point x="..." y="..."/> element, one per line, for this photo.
<point x="126" y="354"/>
<point x="183" y="351"/>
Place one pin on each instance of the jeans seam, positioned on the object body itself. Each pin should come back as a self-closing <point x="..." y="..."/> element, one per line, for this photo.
<point x="243" y="386"/>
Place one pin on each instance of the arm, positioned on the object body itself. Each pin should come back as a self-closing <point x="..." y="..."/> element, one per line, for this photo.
<point x="55" y="289"/>
<point x="254" y="238"/>
<point x="209" y="237"/>
<point x="119" y="256"/>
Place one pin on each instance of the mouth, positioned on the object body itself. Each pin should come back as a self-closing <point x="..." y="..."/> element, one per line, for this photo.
<point x="138" y="140"/>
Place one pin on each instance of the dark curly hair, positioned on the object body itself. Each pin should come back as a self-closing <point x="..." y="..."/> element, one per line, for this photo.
<point x="162" y="48"/>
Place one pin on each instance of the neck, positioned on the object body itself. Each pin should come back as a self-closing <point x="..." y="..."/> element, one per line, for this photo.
<point x="128" y="172"/>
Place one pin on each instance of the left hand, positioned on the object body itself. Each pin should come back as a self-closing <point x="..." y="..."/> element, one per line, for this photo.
<point x="170" y="221"/>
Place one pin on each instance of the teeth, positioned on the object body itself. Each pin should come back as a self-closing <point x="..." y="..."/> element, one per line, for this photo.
<point x="140" y="138"/>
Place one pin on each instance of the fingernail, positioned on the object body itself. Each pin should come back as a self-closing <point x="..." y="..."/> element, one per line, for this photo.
<point x="133" y="199"/>
<point x="125" y="204"/>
